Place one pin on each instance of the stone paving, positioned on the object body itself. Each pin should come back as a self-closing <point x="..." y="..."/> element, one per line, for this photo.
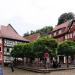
<point x="7" y="71"/>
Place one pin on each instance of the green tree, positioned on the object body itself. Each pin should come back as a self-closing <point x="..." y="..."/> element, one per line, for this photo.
<point x="32" y="32"/>
<point x="23" y="50"/>
<point x="35" y="49"/>
<point x="67" y="48"/>
<point x="26" y="34"/>
<point x="28" y="51"/>
<point x="65" y="17"/>
<point x="45" y="30"/>
<point x="17" y="51"/>
<point x="45" y="44"/>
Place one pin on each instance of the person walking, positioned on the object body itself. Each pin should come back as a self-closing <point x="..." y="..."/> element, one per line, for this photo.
<point x="46" y="56"/>
<point x="11" y="66"/>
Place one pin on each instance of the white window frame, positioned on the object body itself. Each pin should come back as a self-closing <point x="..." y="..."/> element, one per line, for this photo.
<point x="66" y="36"/>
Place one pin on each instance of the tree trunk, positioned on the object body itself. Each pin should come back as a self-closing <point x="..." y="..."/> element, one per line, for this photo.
<point x="14" y="61"/>
<point x="67" y="62"/>
<point x="45" y="60"/>
<point x="23" y="61"/>
<point x="27" y="60"/>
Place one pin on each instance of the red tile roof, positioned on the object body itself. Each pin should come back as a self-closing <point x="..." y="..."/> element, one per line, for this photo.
<point x="9" y="32"/>
<point x="64" y="25"/>
<point x="33" y="37"/>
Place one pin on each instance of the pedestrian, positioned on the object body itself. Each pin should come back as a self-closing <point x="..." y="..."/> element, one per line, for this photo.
<point x="48" y="62"/>
<point x="11" y="66"/>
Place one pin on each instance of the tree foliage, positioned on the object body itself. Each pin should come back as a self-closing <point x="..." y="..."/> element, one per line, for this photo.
<point x="65" y="17"/>
<point x="44" y="31"/>
<point x="22" y="50"/>
<point x="35" y="49"/>
<point x="17" y="51"/>
<point x="45" y="44"/>
<point x="40" y="46"/>
<point x="26" y="34"/>
<point x="67" y="48"/>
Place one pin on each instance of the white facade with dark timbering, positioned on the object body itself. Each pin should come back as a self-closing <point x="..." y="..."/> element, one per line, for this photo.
<point x="8" y="38"/>
<point x="8" y="45"/>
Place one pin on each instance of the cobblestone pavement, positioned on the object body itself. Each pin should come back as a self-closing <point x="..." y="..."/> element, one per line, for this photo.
<point x="7" y="71"/>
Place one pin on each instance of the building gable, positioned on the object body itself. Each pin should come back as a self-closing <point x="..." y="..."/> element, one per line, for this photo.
<point x="10" y="33"/>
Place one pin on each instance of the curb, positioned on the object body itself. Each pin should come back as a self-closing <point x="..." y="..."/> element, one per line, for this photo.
<point x="44" y="70"/>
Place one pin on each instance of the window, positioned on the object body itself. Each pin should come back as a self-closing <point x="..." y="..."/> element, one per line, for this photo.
<point x="0" y="48"/>
<point x="10" y="49"/>
<point x="59" y="31"/>
<point x="73" y="23"/>
<point x="70" y="35"/>
<point x="62" y="30"/>
<point x="73" y="33"/>
<point x="65" y="36"/>
<point x="54" y="33"/>
<point x="0" y="40"/>
<point x="7" y="49"/>
<point x="5" y="41"/>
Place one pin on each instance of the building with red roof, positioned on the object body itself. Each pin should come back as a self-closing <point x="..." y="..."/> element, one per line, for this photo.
<point x="8" y="38"/>
<point x="64" y="31"/>
<point x="33" y="37"/>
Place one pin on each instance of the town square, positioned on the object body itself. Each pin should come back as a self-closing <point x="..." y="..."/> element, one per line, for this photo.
<point x="24" y="72"/>
<point x="37" y="37"/>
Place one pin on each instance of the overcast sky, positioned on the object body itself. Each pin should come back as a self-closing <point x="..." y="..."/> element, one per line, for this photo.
<point x="27" y="15"/>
